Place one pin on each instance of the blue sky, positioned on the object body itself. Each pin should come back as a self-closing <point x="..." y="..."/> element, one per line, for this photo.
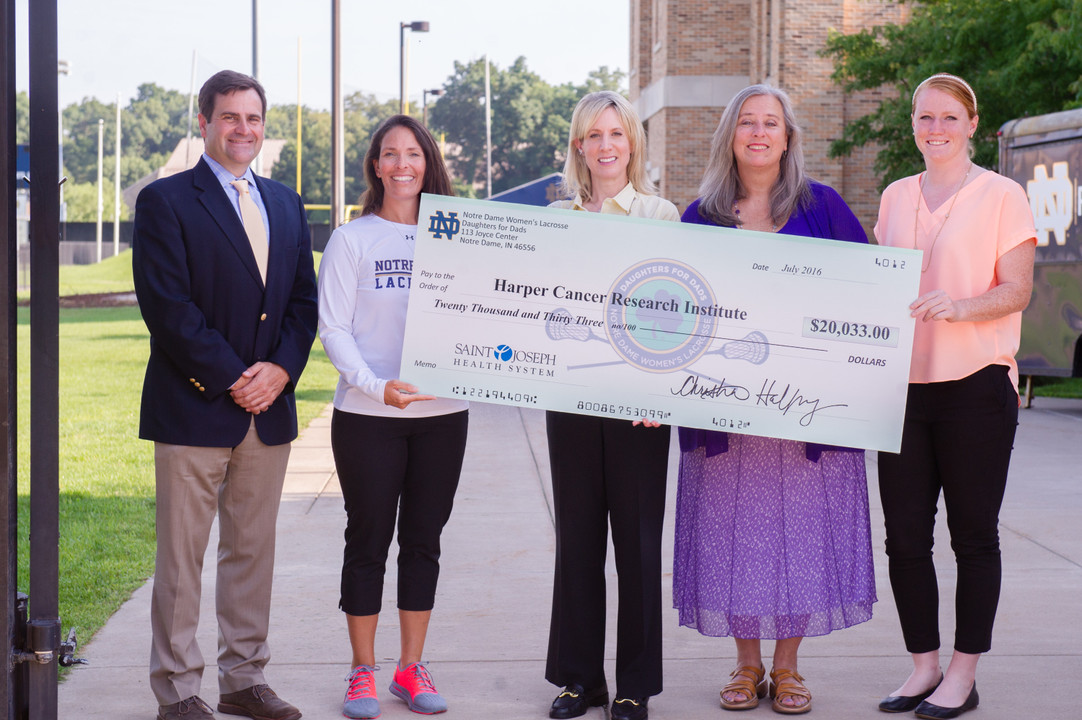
<point x="115" y="45"/>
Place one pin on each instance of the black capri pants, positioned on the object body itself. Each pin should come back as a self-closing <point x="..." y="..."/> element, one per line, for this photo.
<point x="957" y="438"/>
<point x="395" y="468"/>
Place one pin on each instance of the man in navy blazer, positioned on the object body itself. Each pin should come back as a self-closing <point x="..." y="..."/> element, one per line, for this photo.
<point x="226" y="350"/>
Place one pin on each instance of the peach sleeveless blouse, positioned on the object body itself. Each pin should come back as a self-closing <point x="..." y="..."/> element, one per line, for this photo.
<point x="990" y="218"/>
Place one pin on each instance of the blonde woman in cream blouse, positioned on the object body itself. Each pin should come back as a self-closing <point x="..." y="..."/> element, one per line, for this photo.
<point x="606" y="470"/>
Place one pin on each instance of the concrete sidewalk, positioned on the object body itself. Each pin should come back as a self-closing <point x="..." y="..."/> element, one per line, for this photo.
<point x="487" y="641"/>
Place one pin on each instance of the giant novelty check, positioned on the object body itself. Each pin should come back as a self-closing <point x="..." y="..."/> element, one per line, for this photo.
<point x="744" y="332"/>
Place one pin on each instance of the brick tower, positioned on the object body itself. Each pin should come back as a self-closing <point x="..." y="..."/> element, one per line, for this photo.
<point x="689" y="57"/>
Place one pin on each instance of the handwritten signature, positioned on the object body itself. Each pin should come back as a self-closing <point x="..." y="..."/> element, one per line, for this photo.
<point x="791" y="398"/>
<point x="784" y="400"/>
<point x="691" y="387"/>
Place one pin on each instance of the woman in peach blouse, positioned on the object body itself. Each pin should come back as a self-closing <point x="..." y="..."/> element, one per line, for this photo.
<point x="976" y="232"/>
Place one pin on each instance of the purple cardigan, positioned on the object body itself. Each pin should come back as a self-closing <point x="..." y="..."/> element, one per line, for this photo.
<point x="826" y="217"/>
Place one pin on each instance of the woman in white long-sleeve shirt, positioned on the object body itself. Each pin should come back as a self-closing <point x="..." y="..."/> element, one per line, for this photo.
<point x="398" y="452"/>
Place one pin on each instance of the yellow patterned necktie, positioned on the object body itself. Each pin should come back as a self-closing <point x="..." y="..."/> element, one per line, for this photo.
<point x="253" y="226"/>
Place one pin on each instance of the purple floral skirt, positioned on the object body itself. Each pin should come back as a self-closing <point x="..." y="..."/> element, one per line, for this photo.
<point x="770" y="544"/>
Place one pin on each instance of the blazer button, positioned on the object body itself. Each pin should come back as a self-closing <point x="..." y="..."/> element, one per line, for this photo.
<point x="263" y="317"/>
<point x="191" y="380"/>
<point x="202" y="389"/>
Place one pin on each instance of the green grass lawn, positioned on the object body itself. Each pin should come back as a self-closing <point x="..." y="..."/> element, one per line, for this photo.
<point x="111" y="275"/>
<point x="1057" y="387"/>
<point x="106" y="472"/>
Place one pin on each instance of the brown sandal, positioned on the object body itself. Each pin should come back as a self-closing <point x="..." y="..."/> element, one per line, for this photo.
<point x="789" y="684"/>
<point x="750" y="682"/>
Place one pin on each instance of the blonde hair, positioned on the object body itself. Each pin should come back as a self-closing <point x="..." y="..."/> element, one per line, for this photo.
<point x="954" y="86"/>
<point x="577" y="179"/>
<point x="721" y="186"/>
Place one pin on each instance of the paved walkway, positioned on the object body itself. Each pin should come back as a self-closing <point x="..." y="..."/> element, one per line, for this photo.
<point x="487" y="641"/>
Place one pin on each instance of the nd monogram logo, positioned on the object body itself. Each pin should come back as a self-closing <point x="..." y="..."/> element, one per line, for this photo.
<point x="443" y="225"/>
<point x="1050" y="199"/>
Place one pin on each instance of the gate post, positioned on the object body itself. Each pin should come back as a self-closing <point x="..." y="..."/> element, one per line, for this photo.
<point x="44" y="624"/>
<point x="12" y="692"/>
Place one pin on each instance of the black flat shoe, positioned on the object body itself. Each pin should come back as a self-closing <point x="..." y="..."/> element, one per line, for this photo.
<point x="629" y="709"/>
<point x="935" y="712"/>
<point x="906" y="703"/>
<point x="574" y="701"/>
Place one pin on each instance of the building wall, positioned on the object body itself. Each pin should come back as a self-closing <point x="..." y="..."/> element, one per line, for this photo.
<point x="689" y="57"/>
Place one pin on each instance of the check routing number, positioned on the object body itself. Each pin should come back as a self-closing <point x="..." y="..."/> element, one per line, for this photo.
<point x="756" y="333"/>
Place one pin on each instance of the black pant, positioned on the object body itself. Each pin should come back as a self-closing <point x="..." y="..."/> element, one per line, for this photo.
<point x="958" y="438"/>
<point x="607" y="471"/>
<point x="395" y="467"/>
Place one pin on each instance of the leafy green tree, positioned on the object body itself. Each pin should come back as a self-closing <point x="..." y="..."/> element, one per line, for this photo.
<point x="530" y="121"/>
<point x="315" y="161"/>
<point x="81" y="140"/>
<point x="362" y="114"/>
<point x="152" y="125"/>
<point x="22" y="118"/>
<point x="1022" y="57"/>
<point x="82" y="201"/>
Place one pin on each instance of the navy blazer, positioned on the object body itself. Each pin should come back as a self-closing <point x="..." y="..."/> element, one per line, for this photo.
<point x="210" y="316"/>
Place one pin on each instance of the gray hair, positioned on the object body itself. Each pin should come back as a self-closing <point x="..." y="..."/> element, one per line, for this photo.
<point x="721" y="186"/>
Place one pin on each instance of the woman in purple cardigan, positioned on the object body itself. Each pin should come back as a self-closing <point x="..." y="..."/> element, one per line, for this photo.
<point x="772" y="536"/>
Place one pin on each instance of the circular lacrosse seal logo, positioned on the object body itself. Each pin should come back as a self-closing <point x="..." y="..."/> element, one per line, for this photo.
<point x="647" y="319"/>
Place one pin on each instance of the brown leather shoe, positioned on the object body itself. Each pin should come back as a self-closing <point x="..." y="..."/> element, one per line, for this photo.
<point x="258" y="702"/>
<point x="192" y="708"/>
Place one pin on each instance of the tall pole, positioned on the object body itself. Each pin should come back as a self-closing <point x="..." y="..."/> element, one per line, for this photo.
<point x="116" y="185"/>
<point x="257" y="166"/>
<point x="255" y="39"/>
<point x="403" y="62"/>
<point x="406" y="78"/>
<point x="191" y="113"/>
<point x="10" y="688"/>
<point x="488" y="127"/>
<point x="435" y="92"/>
<point x="402" y="67"/>
<point x="338" y="154"/>
<point x="63" y="67"/>
<point x="300" y="148"/>
<point x="101" y="178"/>
<point x="44" y="359"/>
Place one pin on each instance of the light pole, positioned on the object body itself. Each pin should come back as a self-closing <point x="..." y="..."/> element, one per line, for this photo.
<point x="338" y="131"/>
<point x="415" y="26"/>
<point x="101" y="177"/>
<point x="63" y="67"/>
<point x="257" y="166"/>
<point x="424" y="103"/>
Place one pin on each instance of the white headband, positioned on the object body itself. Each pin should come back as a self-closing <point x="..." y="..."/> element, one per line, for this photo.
<point x="972" y="95"/>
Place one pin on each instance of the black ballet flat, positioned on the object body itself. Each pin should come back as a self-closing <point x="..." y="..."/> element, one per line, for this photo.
<point x="906" y="703"/>
<point x="935" y="712"/>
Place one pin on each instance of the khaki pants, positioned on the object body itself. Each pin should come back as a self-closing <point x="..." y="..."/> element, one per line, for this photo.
<point x="243" y="486"/>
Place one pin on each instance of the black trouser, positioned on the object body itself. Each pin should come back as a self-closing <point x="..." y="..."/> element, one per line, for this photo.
<point x="404" y="468"/>
<point x="607" y="471"/>
<point x="958" y="438"/>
